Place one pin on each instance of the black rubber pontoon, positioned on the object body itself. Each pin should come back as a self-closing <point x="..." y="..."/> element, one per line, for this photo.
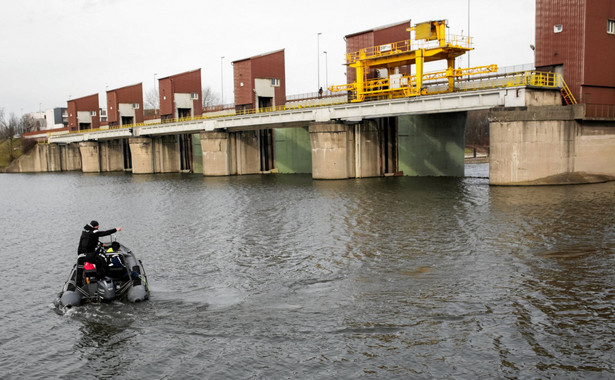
<point x="124" y="279"/>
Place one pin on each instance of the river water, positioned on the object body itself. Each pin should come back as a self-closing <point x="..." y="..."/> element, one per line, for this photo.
<point x="281" y="276"/>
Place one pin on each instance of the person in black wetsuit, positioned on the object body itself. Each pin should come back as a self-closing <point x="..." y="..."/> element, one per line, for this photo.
<point x="88" y="244"/>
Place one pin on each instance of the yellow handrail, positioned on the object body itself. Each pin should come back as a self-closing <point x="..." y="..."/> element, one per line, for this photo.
<point x="406" y="46"/>
<point x="567" y="94"/>
<point x="204" y="117"/>
<point x="380" y="89"/>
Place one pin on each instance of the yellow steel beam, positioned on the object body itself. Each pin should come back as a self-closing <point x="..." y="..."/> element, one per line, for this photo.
<point x="410" y="85"/>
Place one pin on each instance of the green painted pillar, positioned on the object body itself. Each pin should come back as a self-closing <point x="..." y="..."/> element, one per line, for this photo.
<point x="293" y="150"/>
<point x="141" y="151"/>
<point x="432" y="144"/>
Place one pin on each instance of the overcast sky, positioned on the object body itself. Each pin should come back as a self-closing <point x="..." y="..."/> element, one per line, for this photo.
<point x="55" y="50"/>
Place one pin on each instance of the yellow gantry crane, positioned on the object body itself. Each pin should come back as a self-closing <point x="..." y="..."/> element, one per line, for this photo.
<point x="430" y="43"/>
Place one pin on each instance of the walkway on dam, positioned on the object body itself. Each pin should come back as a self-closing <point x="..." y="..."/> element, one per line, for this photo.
<point x="348" y="112"/>
<point x="495" y="91"/>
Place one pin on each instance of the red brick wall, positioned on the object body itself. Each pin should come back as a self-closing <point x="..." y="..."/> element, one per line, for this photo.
<point x="129" y="94"/>
<point x="86" y="103"/>
<point x="598" y="85"/>
<point x="242" y="73"/>
<point x="183" y="83"/>
<point x="271" y="65"/>
<point x="378" y="36"/>
<point x="564" y="48"/>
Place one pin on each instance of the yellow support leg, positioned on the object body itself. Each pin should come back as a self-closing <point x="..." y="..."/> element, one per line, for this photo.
<point x="419" y="70"/>
<point x="450" y="74"/>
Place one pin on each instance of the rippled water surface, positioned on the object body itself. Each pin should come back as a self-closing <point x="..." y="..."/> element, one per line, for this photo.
<point x="280" y="276"/>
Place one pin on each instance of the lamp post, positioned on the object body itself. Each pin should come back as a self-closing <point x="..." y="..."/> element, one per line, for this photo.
<point x="222" y="81"/>
<point x="326" y="70"/>
<point x="469" y="33"/>
<point x="318" y="58"/>
<point x="154" y="100"/>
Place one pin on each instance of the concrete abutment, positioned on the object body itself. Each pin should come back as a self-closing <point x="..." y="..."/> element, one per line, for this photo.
<point x="111" y="156"/>
<point x="341" y="151"/>
<point x="550" y="145"/>
<point x="70" y="157"/>
<point x="90" y="156"/>
<point x="230" y="153"/>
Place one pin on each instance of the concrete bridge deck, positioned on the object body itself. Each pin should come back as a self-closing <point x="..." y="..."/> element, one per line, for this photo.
<point x="347" y="112"/>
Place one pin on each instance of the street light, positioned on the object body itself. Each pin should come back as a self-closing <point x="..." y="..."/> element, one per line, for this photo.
<point x="326" y="70"/>
<point x="469" y="33"/>
<point x="154" y="100"/>
<point x="222" y="81"/>
<point x="318" y="58"/>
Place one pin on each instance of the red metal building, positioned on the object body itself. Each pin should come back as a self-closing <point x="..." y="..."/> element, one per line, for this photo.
<point x="83" y="113"/>
<point x="576" y="38"/>
<point x="260" y="81"/>
<point x="180" y="95"/>
<point x="378" y="36"/>
<point x="125" y="105"/>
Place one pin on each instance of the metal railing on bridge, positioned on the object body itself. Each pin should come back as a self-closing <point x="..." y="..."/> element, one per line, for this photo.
<point x="406" y="46"/>
<point x="501" y="79"/>
<point x="537" y="79"/>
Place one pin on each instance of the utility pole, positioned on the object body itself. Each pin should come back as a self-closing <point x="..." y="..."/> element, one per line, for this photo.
<point x="318" y="58"/>
<point x="155" y="94"/>
<point x="326" y="70"/>
<point x="222" y="81"/>
<point x="469" y="33"/>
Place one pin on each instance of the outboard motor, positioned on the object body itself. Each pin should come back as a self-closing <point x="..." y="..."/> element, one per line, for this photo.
<point x="106" y="289"/>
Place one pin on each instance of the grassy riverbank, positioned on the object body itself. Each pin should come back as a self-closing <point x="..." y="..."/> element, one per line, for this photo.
<point x="5" y="150"/>
<point x="476" y="155"/>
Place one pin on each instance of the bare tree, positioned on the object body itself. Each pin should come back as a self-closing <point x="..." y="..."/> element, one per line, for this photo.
<point x="209" y="97"/>
<point x="27" y="124"/>
<point x="8" y="129"/>
<point x="477" y="129"/>
<point x="2" y="122"/>
<point x="152" y="99"/>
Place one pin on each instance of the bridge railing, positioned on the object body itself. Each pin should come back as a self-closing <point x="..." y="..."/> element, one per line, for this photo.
<point x="407" y="46"/>
<point x="216" y="115"/>
<point x="528" y="78"/>
<point x="219" y="107"/>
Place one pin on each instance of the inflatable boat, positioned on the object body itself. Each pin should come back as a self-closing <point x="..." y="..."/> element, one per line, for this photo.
<point x="123" y="278"/>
